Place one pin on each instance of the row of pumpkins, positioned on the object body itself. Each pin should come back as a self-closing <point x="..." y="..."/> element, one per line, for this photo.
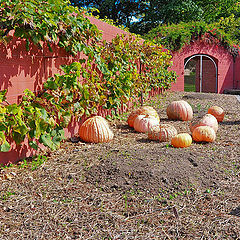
<point x="146" y="120"/>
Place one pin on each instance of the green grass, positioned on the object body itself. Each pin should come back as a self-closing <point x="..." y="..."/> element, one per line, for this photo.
<point x="189" y="87"/>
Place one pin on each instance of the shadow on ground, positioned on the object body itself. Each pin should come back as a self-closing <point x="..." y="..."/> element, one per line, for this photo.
<point x="235" y="212"/>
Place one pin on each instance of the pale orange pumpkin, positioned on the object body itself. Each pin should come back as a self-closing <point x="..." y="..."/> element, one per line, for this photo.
<point x="143" y="123"/>
<point x="206" y="120"/>
<point x="217" y="112"/>
<point x="95" y="130"/>
<point x="145" y="110"/>
<point x="180" y="110"/>
<point x="162" y="133"/>
<point x="181" y="140"/>
<point x="204" y="134"/>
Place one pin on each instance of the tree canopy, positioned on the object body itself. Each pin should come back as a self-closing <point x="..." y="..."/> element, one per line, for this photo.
<point x="122" y="12"/>
<point x="142" y="16"/>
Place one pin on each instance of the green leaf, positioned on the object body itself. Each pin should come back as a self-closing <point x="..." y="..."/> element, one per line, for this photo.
<point x="13" y="108"/>
<point x="5" y="147"/>
<point x="33" y="145"/>
<point x="46" y="140"/>
<point x="50" y="85"/>
<point x="17" y="137"/>
<point x="3" y="95"/>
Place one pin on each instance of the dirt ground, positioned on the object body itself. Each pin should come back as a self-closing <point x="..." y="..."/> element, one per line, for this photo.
<point x="131" y="188"/>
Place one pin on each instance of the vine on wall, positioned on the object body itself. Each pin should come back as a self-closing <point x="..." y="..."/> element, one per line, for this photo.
<point x="51" y="22"/>
<point x="175" y="36"/>
<point x="109" y="75"/>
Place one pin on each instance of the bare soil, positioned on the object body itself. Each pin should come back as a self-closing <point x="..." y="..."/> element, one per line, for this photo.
<point x="131" y="188"/>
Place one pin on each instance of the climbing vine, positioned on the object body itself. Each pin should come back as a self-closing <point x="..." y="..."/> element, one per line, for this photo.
<point x="109" y="74"/>
<point x="224" y="33"/>
<point x="51" y="22"/>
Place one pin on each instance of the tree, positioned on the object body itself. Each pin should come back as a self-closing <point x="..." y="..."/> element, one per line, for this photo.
<point x="120" y="11"/>
<point x="216" y="9"/>
<point x="149" y="14"/>
<point x="167" y="11"/>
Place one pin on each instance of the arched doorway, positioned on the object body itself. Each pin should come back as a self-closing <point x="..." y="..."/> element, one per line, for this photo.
<point x="200" y="74"/>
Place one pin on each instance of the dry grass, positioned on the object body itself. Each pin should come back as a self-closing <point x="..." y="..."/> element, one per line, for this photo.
<point x="131" y="188"/>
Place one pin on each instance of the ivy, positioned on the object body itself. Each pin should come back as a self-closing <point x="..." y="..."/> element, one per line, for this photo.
<point x="52" y="22"/>
<point x="224" y="33"/>
<point x="110" y="73"/>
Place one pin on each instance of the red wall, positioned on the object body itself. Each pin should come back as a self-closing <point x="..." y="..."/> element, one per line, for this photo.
<point x="237" y="73"/>
<point x="21" y="69"/>
<point x="224" y="61"/>
<point x="108" y="31"/>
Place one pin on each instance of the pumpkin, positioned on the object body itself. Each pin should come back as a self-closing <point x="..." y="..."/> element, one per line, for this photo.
<point x="204" y="134"/>
<point x="162" y="133"/>
<point x="143" y="123"/>
<point x="95" y="130"/>
<point x="217" y="112"/>
<point x="181" y="140"/>
<point x="206" y="120"/>
<point x="145" y="110"/>
<point x="180" y="110"/>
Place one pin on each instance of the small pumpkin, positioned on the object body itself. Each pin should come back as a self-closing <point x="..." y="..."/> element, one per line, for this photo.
<point x="217" y="112"/>
<point x="143" y="123"/>
<point x="162" y="133"/>
<point x="181" y="140"/>
<point x="145" y="110"/>
<point x="95" y="130"/>
<point x="204" y="134"/>
<point x="206" y="120"/>
<point x="180" y="110"/>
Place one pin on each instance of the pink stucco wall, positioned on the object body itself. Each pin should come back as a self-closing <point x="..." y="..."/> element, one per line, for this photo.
<point x="108" y="31"/>
<point x="21" y="69"/>
<point x="237" y="73"/>
<point x="224" y="61"/>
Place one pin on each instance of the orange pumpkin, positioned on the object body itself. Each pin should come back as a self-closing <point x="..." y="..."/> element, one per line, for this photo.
<point x="217" y="112"/>
<point x="145" y="110"/>
<point x="181" y="140"/>
<point x="162" y="133"/>
<point x="180" y="110"/>
<point x="95" y="130"/>
<point x="143" y="123"/>
<point x="204" y="134"/>
<point x="206" y="120"/>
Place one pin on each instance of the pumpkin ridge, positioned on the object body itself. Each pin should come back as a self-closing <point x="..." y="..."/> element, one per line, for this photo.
<point x="90" y="130"/>
<point x="99" y="131"/>
<point x="105" y="134"/>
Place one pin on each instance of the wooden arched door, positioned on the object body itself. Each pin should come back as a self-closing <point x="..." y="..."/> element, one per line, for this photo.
<point x="200" y="74"/>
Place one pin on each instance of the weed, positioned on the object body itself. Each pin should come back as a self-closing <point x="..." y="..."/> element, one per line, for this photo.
<point x="35" y="162"/>
<point x="24" y="164"/>
<point x="168" y="145"/>
<point x="6" y="166"/>
<point x="125" y="198"/>
<point x="38" y="161"/>
<point x="8" y="194"/>
<point x="214" y="148"/>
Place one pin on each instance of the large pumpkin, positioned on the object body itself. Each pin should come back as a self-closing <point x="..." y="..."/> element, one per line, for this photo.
<point x="95" y="130"/>
<point x="206" y="120"/>
<point x="143" y="123"/>
<point x="181" y="140"/>
<point x="204" y="134"/>
<point x="180" y="110"/>
<point x="145" y="110"/>
<point x="162" y="133"/>
<point x="217" y="112"/>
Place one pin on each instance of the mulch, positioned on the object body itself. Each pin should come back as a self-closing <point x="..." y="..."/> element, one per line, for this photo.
<point x="131" y="188"/>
